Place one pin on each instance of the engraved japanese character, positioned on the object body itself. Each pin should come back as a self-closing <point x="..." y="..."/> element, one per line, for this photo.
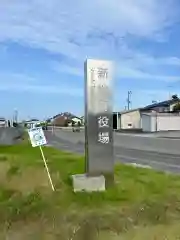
<point x="102" y="73"/>
<point x="103" y="137"/>
<point x="103" y="122"/>
<point x="93" y="81"/>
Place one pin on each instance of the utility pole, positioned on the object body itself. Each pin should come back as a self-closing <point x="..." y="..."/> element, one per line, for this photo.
<point x="169" y="92"/>
<point x="15" y="118"/>
<point x="129" y="99"/>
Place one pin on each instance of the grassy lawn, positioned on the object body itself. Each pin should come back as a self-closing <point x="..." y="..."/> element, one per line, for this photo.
<point x="143" y="204"/>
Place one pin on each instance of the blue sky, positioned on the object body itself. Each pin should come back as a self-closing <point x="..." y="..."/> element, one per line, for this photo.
<point x="43" y="46"/>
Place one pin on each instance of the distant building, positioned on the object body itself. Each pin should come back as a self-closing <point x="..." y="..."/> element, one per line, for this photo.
<point x="161" y="107"/>
<point x="154" y="117"/>
<point x="65" y="119"/>
<point x="82" y="120"/>
<point x="3" y="122"/>
<point x="31" y="123"/>
<point x="59" y="121"/>
<point x="75" y="120"/>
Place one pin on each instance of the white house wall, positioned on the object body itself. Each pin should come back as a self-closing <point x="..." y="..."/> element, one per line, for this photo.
<point x="76" y="120"/>
<point x="152" y="123"/>
<point x="168" y="123"/>
<point x="130" y="120"/>
<point x="172" y="106"/>
<point x="148" y="123"/>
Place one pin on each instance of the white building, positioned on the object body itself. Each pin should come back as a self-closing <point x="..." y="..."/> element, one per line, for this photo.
<point x="3" y="122"/>
<point x="154" y="117"/>
<point x="154" y="122"/>
<point x="32" y="123"/>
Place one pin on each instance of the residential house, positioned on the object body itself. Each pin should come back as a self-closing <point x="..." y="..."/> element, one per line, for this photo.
<point x="130" y="119"/>
<point x="140" y="117"/>
<point x="75" y="120"/>
<point x="160" y="107"/>
<point x="60" y="121"/>
<point x="82" y="120"/>
<point x="65" y="119"/>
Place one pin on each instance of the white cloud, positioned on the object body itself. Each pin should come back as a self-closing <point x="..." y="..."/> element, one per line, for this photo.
<point x="44" y="89"/>
<point x="13" y="77"/>
<point x="64" y="68"/>
<point x="19" y="82"/>
<point x="133" y="73"/>
<point x="96" y="29"/>
<point x="140" y="59"/>
<point x="53" y="24"/>
<point x="174" y="61"/>
<point x="131" y="69"/>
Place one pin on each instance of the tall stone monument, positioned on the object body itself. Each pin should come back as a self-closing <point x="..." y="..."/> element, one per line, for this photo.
<point x="98" y="117"/>
<point x="98" y="127"/>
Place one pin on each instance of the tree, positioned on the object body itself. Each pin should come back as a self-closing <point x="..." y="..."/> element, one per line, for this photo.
<point x="176" y="107"/>
<point x="174" y="97"/>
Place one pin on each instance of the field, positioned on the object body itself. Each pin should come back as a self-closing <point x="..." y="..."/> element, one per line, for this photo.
<point x="143" y="204"/>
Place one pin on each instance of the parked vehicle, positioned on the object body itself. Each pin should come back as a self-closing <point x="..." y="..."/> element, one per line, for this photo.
<point x="44" y="127"/>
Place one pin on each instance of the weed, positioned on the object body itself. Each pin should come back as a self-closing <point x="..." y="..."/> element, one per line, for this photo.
<point x="140" y="198"/>
<point x="3" y="158"/>
<point x="13" y="170"/>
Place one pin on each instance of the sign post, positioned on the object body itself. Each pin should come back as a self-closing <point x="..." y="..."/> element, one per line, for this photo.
<point x="98" y="117"/>
<point x="38" y="139"/>
<point x="49" y="176"/>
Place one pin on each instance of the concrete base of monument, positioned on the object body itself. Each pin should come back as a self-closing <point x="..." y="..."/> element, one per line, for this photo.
<point x="85" y="183"/>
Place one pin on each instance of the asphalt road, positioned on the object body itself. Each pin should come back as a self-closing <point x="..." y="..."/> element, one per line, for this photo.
<point x="149" y="151"/>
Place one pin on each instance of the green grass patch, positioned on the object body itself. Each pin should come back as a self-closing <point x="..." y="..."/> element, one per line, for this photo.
<point x="3" y="158"/>
<point x="140" y="198"/>
<point x="13" y="170"/>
